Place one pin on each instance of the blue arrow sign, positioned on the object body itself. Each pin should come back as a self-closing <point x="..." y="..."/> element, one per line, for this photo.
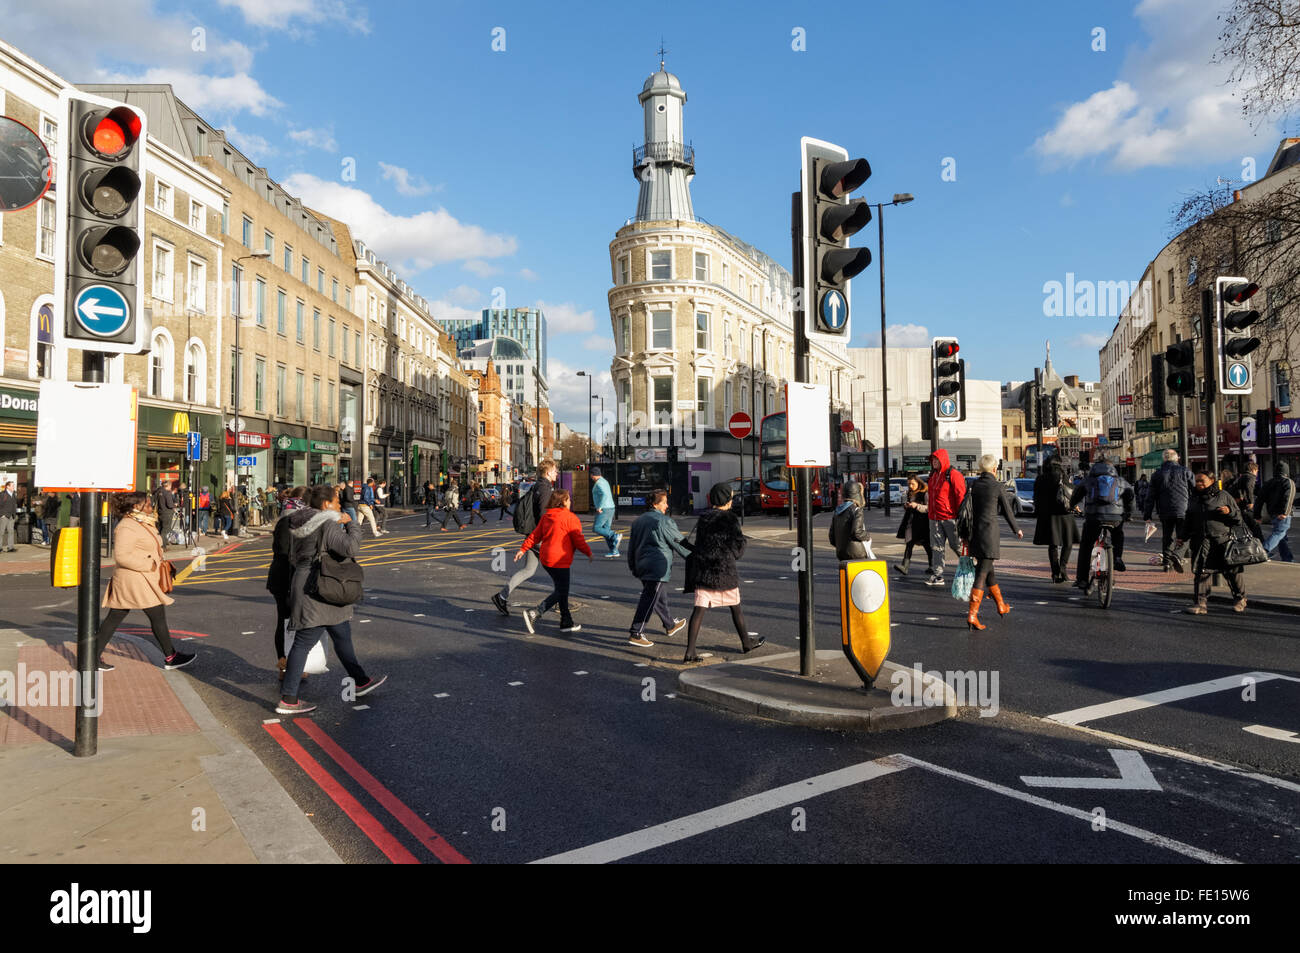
<point x="1238" y="374"/>
<point x="834" y="310"/>
<point x="101" y="310"/>
<point x="947" y="407"/>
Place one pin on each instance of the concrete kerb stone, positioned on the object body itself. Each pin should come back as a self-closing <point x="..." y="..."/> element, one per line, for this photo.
<point x="710" y="685"/>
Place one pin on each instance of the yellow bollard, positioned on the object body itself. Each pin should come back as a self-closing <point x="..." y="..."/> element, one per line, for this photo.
<point x="66" y="571"/>
<point x="864" y="615"/>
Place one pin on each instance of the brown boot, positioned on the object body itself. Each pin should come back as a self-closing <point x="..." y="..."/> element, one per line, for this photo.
<point x="996" y="593"/>
<point x="976" y="597"/>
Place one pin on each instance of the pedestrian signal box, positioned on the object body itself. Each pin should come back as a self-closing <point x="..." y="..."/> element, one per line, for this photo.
<point x="65" y="572"/>
<point x="864" y="616"/>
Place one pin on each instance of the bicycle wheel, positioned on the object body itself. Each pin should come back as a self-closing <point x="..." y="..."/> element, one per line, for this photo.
<point x="1106" y="580"/>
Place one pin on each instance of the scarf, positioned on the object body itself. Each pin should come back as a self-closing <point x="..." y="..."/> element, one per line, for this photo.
<point x="148" y="519"/>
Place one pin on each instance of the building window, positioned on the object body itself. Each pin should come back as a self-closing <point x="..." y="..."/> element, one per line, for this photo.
<point x="315" y="399"/>
<point x="198" y="216"/>
<point x="225" y="218"/>
<point x="44" y="336"/>
<point x="624" y="271"/>
<point x="704" y="401"/>
<point x="624" y="334"/>
<point x="315" y="329"/>
<point x="196" y="285"/>
<point x="162" y="271"/>
<point x="334" y="290"/>
<point x="347" y="298"/>
<point x="702" y="330"/>
<point x="280" y="395"/>
<point x="45" y="230"/>
<point x="356" y="349"/>
<point x="1172" y="295"/>
<point x="300" y="391"/>
<point x="346" y="338"/>
<point x="246" y="239"/>
<point x="1282" y="383"/>
<point x="301" y="321"/>
<point x="701" y="266"/>
<point x="329" y="405"/>
<point x="661" y="265"/>
<point x="259" y="302"/>
<point x="333" y="323"/>
<point x="288" y="258"/>
<point x="281" y="307"/>
<point x="259" y="385"/>
<point x="320" y="280"/>
<point x="268" y="242"/>
<point x="306" y="269"/>
<point x="235" y="395"/>
<point x="663" y="399"/>
<point x="160" y="365"/>
<point x="162" y="197"/>
<point x="661" y="329"/>
<point x="195" y="374"/>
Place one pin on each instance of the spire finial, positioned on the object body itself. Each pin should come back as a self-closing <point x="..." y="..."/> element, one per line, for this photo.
<point x="662" y="53"/>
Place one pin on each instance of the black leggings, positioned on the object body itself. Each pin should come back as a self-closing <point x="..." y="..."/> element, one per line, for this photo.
<point x="693" y="630"/>
<point x="984" y="574"/>
<point x="157" y="621"/>
<point x="281" y="616"/>
<point x="907" y="550"/>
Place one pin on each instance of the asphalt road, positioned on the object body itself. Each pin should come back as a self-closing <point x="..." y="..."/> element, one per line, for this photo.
<point x="493" y="746"/>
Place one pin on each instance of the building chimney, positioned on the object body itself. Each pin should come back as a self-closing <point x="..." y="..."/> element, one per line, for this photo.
<point x="1072" y="380"/>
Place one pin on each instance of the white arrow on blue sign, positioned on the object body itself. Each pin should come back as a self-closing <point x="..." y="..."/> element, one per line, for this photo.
<point x="101" y="310"/>
<point x="1238" y="374"/>
<point x="947" y="407"/>
<point x="834" y="310"/>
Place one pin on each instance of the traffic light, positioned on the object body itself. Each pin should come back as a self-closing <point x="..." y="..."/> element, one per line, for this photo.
<point x="1049" y="412"/>
<point x="837" y="435"/>
<point x="1033" y="415"/>
<point x="829" y="218"/>
<point x="1264" y="429"/>
<point x="1158" y="403"/>
<point x="1180" y="360"/>
<point x="949" y="381"/>
<point x="99" y="215"/>
<point x="1236" y="370"/>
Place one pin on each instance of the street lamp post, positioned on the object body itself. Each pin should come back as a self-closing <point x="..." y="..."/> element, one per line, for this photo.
<point x="601" y="398"/>
<point x="588" y="376"/>
<point x="900" y="198"/>
<point x="262" y="253"/>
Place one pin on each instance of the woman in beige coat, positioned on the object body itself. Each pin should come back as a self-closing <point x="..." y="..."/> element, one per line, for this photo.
<point x="138" y="555"/>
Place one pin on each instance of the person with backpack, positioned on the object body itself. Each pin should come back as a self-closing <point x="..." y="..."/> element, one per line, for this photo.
<point x="1276" y="500"/>
<point x="1107" y="505"/>
<point x="205" y="510"/>
<point x="946" y="490"/>
<point x="1055" y="527"/>
<point x="451" y="506"/>
<point x="1171" y="489"/>
<point x="654" y="539"/>
<point x="988" y="498"/>
<point x="557" y="536"/>
<point x="528" y="511"/>
<point x="319" y="528"/>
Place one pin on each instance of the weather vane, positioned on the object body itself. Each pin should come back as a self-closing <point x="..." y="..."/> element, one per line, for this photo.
<point x="662" y="51"/>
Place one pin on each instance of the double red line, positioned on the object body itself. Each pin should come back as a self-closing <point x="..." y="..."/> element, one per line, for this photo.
<point x="379" y="835"/>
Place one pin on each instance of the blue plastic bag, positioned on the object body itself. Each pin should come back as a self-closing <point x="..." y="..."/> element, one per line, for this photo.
<point x="964" y="580"/>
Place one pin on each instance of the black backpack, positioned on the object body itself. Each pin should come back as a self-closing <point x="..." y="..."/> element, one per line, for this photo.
<point x="525" y="515"/>
<point x="966" y="517"/>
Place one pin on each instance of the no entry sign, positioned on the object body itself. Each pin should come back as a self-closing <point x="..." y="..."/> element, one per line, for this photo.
<point x="740" y="425"/>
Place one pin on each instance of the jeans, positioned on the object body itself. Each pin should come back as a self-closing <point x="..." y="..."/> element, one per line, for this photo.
<point x="429" y="510"/>
<point x="560" y="576"/>
<point x="203" y="521"/>
<point x="157" y="616"/>
<point x="942" y="531"/>
<point x="1276" y="540"/>
<point x="351" y="511"/>
<point x="604" y="528"/>
<point x="304" y="640"/>
<point x="654" y="598"/>
<point x="381" y="517"/>
<point x="452" y="513"/>
<point x="531" y="563"/>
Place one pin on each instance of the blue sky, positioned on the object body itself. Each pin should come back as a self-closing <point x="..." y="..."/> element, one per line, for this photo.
<point x="479" y="169"/>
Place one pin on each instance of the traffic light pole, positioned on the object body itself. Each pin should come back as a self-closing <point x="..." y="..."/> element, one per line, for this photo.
<point x="802" y="486"/>
<point x="86" y="737"/>
<point x="1209" y="328"/>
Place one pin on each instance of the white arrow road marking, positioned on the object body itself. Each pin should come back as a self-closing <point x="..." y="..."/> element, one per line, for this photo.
<point x="1277" y="734"/>
<point x="1134" y="775"/>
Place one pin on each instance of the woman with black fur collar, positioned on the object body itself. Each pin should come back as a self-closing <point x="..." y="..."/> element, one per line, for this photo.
<point x="719" y="542"/>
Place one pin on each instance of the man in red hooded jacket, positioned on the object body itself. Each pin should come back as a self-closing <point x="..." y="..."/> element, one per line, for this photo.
<point x="946" y="488"/>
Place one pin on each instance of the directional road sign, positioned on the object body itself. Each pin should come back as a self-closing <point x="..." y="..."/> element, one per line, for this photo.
<point x="740" y="425"/>
<point x="1238" y="374"/>
<point x="246" y="462"/>
<point x="834" y="310"/>
<point x="947" y="409"/>
<point x="193" y="444"/>
<point x="101" y="310"/>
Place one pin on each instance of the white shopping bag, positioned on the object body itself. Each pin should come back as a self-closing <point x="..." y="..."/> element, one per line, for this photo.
<point x="315" y="658"/>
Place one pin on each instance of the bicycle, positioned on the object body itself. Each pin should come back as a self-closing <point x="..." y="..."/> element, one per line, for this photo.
<point x="1102" y="569"/>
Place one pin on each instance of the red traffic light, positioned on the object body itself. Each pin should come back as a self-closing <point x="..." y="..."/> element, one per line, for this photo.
<point x="1236" y="294"/>
<point x="113" y="132"/>
<point x="946" y="349"/>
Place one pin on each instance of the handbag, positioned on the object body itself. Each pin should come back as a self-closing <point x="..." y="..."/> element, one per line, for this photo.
<point x="334" y="581"/>
<point x="964" y="580"/>
<point x="166" y="575"/>
<point x="1243" y="549"/>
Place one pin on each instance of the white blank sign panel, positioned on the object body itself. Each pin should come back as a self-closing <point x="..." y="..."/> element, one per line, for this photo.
<point x="86" y="436"/>
<point x="807" y="425"/>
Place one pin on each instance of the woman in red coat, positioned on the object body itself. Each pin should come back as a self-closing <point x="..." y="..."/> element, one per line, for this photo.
<point x="558" y="535"/>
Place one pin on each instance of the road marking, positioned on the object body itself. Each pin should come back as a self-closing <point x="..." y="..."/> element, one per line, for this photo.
<point x="270" y="721"/>
<point x="1158" y="840"/>
<point x="442" y="695"/>
<point x="379" y="835"/>
<point x="670" y="695"/>
<point x="514" y="684"/>
<point x="661" y="835"/>
<point x="360" y="707"/>
<point x="932" y="618"/>
<point x="253" y="632"/>
<point x="580" y="673"/>
<point x="1122" y="706"/>
<point x="393" y="804"/>
<point x="748" y="581"/>
<point x="365" y="620"/>
<point x="1134" y="775"/>
<point x="1042" y="603"/>
<point x="419" y="615"/>
<point x="1277" y="734"/>
<point x="604" y="597"/>
<point x="641" y="665"/>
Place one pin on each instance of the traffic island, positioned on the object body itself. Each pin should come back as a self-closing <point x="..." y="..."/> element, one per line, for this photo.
<point x="834" y="697"/>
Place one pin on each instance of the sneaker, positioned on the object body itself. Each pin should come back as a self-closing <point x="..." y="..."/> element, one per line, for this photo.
<point x="678" y="625"/>
<point x="934" y="580"/>
<point x="502" y="605"/>
<point x="293" y="708"/>
<point x="1239" y="605"/>
<point x="640" y="640"/>
<point x="370" y="685"/>
<point x="613" y="555"/>
<point x="530" y="616"/>
<point x="179" y="660"/>
<point x="105" y="667"/>
<point x="1197" y="609"/>
<point x="571" y="628"/>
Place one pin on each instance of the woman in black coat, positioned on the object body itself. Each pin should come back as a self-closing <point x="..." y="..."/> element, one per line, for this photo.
<point x="1056" y="528"/>
<point x="1211" y="515"/>
<point x="279" y="575"/>
<point x="719" y="542"/>
<point x="915" y="527"/>
<point x="988" y="499"/>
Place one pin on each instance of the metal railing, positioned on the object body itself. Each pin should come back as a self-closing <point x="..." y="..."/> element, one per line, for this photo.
<point x="663" y="152"/>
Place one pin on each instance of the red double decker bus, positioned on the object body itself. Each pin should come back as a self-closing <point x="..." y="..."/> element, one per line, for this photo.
<point x="774" y="475"/>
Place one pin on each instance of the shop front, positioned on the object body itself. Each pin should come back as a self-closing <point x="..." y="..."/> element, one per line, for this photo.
<point x="323" y="462"/>
<point x="252" y="466"/>
<point x="161" y="449"/>
<point x="349" y="457"/>
<point x="18" y="448"/>
<point x="289" y="459"/>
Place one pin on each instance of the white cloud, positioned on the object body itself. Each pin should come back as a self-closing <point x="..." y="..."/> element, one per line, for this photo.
<point x="464" y="294"/>
<point x="413" y="242"/>
<point x="216" y="96"/>
<point x="481" y="268"/>
<point x="527" y="274"/>
<point x="1067" y="201"/>
<point x="315" y="138"/>
<point x="568" y="393"/>
<point x="565" y="318"/>
<point x="403" y="181"/>
<point x="597" y="343"/>
<point x="1089" y="341"/>
<point x="1170" y="104"/>
<point x="902" y="335"/>
<point x="283" y="14"/>
<point x="254" y="146"/>
<point x="446" y="309"/>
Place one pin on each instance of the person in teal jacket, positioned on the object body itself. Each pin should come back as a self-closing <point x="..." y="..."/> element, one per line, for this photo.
<point x="655" y="537"/>
<point x="602" y="501"/>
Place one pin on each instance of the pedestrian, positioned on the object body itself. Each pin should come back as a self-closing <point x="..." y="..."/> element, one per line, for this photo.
<point x="1275" y="502"/>
<point x="507" y="500"/>
<point x="475" y="499"/>
<point x="320" y="527"/>
<point x="451" y="506"/>
<point x="528" y="510"/>
<point x="8" y="517"/>
<point x="848" y="527"/>
<point x="1107" y="505"/>
<point x="915" y="527"/>
<point x="205" y="510"/>
<point x="1242" y="489"/>
<point x="602" y="501"/>
<point x="381" y="506"/>
<point x="366" y="506"/>
<point x="138" y="579"/>
<point x="1054" y="525"/>
<point x="166" y="506"/>
<point x="226" y="512"/>
<point x="719" y="542"/>
<point x="53" y="515"/>
<point x="430" y="502"/>
<point x="1141" y="490"/>
<point x="988" y="499"/>
<point x="1171" y="488"/>
<point x="1210" y="516"/>
<point x="279" y="576"/>
<point x="945" y="490"/>
<point x="655" y="537"/>
<point x="557" y="536"/>
<point x="37" y="509"/>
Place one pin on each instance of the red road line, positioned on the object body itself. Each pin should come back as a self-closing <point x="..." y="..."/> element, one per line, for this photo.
<point x="426" y="835"/>
<point x="146" y="630"/>
<point x="369" y="825"/>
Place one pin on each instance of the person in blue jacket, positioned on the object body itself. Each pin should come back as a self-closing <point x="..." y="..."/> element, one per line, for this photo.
<point x="655" y="537"/>
<point x="602" y="501"/>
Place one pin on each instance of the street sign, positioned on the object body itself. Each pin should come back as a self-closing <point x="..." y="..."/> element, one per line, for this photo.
<point x="1151" y="425"/>
<point x="207" y="449"/>
<point x="1125" y="398"/>
<point x="807" y="446"/>
<point x="193" y="444"/>
<point x="740" y="425"/>
<point x="858" y="462"/>
<point x="947" y="409"/>
<point x="834" y="310"/>
<point x="246" y="461"/>
<point x="101" y="310"/>
<point x="910" y="462"/>
<point x="1238" y="374"/>
<point x="846" y="426"/>
<point x="1116" y="434"/>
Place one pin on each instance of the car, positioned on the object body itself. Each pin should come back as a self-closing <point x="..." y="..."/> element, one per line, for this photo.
<point x="897" y="491"/>
<point x="875" y="493"/>
<point x="745" y="495"/>
<point x="1022" y="495"/>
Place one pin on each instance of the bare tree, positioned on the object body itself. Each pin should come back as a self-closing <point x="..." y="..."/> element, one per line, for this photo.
<point x="1260" y="41"/>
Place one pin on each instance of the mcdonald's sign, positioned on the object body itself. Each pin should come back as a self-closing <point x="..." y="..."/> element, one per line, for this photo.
<point x="45" y="325"/>
<point x="181" y="422"/>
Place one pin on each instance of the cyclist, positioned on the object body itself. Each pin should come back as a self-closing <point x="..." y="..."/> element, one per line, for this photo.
<point x="1107" y="505"/>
